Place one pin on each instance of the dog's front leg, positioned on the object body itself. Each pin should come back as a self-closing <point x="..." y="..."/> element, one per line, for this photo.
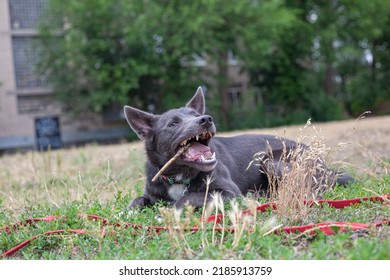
<point x="139" y="202"/>
<point x="194" y="199"/>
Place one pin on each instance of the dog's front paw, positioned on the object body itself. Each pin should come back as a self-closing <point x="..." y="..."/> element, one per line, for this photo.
<point x="139" y="203"/>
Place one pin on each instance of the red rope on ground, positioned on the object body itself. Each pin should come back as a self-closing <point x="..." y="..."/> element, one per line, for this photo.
<point x="327" y="228"/>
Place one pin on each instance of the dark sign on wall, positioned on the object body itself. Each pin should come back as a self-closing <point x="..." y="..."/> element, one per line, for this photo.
<point x="48" y="134"/>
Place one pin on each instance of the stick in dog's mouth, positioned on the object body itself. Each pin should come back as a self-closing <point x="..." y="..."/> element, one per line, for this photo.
<point x="169" y="162"/>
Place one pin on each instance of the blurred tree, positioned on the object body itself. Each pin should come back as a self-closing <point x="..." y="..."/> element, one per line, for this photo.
<point x="286" y="81"/>
<point x="361" y="61"/>
<point x="306" y="58"/>
<point x="327" y="64"/>
<point x="90" y="53"/>
<point x="96" y="53"/>
<point x="99" y="52"/>
<point x="250" y="30"/>
<point x="347" y="32"/>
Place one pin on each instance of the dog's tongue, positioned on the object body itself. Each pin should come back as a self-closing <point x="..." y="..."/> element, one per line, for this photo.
<point x="196" y="150"/>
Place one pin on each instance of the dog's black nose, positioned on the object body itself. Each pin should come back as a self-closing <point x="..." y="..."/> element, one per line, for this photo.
<point x="205" y="120"/>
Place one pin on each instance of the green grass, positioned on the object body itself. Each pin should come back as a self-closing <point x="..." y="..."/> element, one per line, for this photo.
<point x="128" y="243"/>
<point x="103" y="180"/>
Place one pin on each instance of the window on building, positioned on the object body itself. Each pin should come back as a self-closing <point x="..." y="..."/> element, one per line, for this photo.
<point x="25" y="14"/>
<point x="33" y="104"/>
<point x="25" y="59"/>
<point x="234" y="95"/>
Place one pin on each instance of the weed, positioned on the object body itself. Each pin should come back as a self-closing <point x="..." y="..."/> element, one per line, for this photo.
<point x="299" y="175"/>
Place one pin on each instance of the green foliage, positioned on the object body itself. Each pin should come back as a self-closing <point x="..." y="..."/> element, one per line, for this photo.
<point x="250" y="30"/>
<point x="320" y="59"/>
<point x="326" y="108"/>
<point x="321" y="67"/>
<point x="89" y="54"/>
<point x="103" y="52"/>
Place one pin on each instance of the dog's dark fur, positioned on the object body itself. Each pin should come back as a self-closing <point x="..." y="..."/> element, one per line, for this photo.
<point x="185" y="180"/>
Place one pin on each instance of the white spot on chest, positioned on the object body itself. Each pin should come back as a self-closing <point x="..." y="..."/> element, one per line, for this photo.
<point x="176" y="191"/>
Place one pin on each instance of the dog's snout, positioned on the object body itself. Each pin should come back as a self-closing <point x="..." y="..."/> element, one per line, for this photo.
<point x="205" y="120"/>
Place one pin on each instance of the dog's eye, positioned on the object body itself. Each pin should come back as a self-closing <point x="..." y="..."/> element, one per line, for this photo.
<point x="174" y="123"/>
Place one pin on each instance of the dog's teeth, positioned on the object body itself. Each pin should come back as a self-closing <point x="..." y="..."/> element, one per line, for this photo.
<point x="213" y="156"/>
<point x="197" y="137"/>
<point x="183" y="143"/>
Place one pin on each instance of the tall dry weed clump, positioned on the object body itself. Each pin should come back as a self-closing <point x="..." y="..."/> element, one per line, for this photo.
<point x="299" y="174"/>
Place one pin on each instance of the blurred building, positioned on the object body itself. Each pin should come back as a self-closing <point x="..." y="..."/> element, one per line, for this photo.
<point x="30" y="117"/>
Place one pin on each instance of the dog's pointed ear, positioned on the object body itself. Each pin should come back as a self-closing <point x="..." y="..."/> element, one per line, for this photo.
<point x="141" y="122"/>
<point x="197" y="102"/>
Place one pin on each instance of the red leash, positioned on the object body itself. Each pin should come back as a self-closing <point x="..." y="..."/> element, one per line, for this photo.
<point x="26" y="242"/>
<point x="327" y="228"/>
<point x="338" y="204"/>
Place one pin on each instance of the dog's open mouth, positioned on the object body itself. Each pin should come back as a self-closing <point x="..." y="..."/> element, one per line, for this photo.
<point x="198" y="151"/>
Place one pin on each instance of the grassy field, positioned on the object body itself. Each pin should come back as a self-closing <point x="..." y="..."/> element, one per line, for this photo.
<point x="101" y="180"/>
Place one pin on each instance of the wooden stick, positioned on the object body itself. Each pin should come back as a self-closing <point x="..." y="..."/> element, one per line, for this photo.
<point x="179" y="152"/>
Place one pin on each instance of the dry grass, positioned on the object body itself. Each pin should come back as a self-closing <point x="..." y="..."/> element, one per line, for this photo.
<point x="177" y="230"/>
<point x="364" y="140"/>
<point x="93" y="171"/>
<point x="299" y="175"/>
<point x="101" y="171"/>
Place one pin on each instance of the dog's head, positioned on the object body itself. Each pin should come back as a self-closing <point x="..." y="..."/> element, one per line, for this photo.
<point x="165" y="134"/>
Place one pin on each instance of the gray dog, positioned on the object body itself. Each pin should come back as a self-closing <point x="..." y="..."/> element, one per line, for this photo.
<point x="223" y="159"/>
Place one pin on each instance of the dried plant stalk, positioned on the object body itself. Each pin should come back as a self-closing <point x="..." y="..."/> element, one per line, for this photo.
<point x="179" y="152"/>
